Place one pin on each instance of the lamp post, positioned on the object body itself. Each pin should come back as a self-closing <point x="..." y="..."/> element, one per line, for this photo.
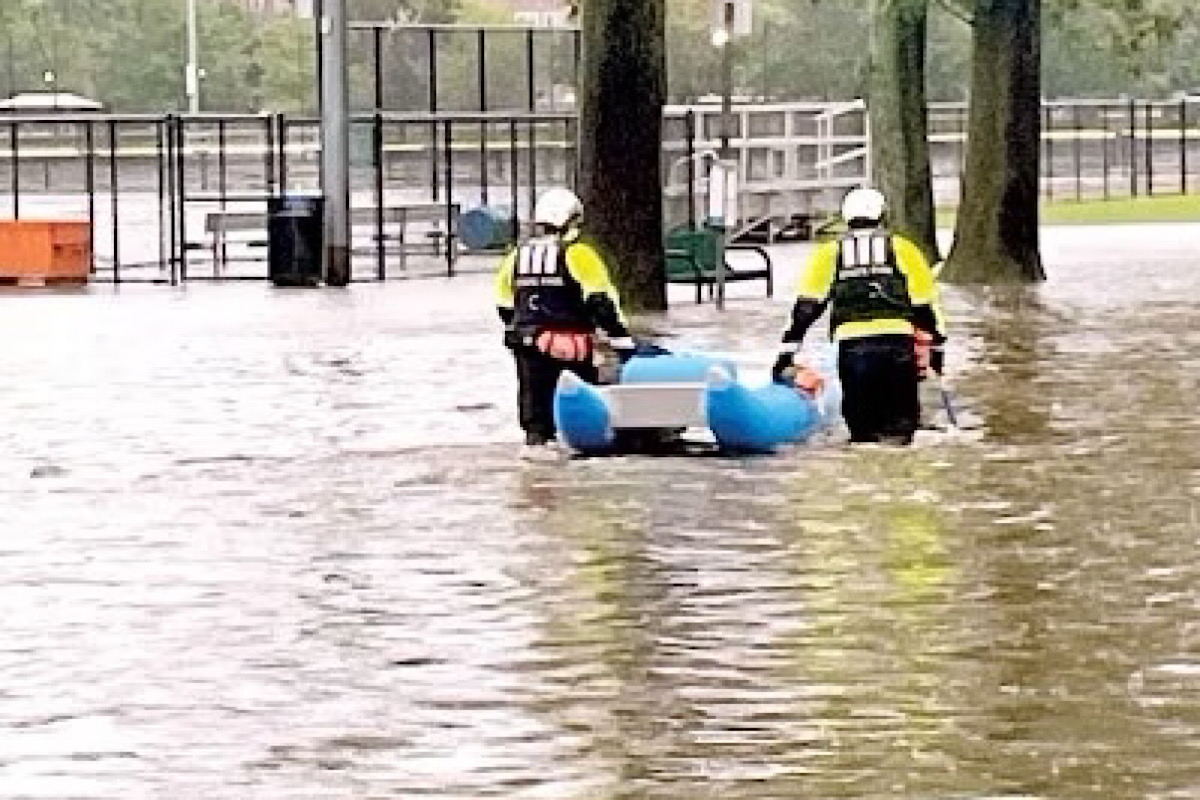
<point x="335" y="143"/>
<point x="721" y="40"/>
<point x="192" y="74"/>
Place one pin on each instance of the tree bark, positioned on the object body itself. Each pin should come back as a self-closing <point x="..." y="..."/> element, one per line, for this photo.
<point x="899" y="119"/>
<point x="620" y="141"/>
<point x="996" y="235"/>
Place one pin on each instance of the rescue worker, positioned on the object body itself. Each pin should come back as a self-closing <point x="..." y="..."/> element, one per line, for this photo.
<point x="884" y="316"/>
<point x="553" y="292"/>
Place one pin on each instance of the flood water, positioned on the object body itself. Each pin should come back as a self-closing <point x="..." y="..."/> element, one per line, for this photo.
<point x="266" y="543"/>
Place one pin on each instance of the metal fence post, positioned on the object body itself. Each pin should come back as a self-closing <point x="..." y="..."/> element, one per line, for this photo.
<point x="1133" y="177"/>
<point x="113" y="195"/>
<point x="14" y="153"/>
<point x="380" y="244"/>
<point x="1104" y="148"/>
<point x="514" y="167"/>
<point x="160" y="183"/>
<point x="377" y="47"/>
<point x="181" y="169"/>
<point x="269" y="157"/>
<point x="481" y="45"/>
<point x="433" y="109"/>
<point x="1078" y="155"/>
<point x="449" y="240"/>
<point x="222" y="183"/>
<point x="689" y="124"/>
<point x="89" y="178"/>
<point x="1149" y="148"/>
<point x="1183" y="165"/>
<point x="282" y="121"/>
<point x="533" y="171"/>
<point x="172" y="195"/>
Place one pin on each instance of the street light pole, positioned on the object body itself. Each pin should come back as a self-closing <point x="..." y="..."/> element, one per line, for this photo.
<point x="335" y="144"/>
<point x="723" y="39"/>
<point x="192" y="75"/>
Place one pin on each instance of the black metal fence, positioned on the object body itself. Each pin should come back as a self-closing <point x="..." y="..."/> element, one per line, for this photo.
<point x="172" y="198"/>
<point x="1092" y="148"/>
<point x="464" y="69"/>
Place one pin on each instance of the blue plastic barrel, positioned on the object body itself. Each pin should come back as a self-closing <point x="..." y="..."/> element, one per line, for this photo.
<point x="486" y="227"/>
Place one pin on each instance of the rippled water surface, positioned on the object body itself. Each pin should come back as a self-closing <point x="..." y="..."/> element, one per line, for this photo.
<point x="276" y="544"/>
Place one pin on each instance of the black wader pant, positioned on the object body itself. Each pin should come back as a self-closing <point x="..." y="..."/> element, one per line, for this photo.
<point x="879" y="388"/>
<point x="537" y="377"/>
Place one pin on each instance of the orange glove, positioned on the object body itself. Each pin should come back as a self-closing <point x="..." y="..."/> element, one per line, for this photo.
<point x="808" y="380"/>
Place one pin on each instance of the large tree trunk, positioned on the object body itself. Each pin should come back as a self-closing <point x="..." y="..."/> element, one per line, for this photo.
<point x="996" y="236"/>
<point x="620" y="142"/>
<point x="899" y="118"/>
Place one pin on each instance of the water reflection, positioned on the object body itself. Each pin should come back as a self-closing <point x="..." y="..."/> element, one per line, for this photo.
<point x="277" y="545"/>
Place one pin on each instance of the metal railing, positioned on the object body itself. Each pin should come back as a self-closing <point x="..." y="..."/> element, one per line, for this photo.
<point x="1091" y="148"/>
<point x="154" y="187"/>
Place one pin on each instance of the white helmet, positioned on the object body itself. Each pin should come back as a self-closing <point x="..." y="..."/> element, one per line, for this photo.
<point x="558" y="208"/>
<point x="866" y="205"/>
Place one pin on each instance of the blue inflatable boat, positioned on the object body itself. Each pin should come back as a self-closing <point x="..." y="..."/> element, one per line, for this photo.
<point x="672" y="393"/>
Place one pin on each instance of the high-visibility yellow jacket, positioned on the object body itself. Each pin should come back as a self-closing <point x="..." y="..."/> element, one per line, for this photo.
<point x="875" y="259"/>
<point x="549" y="281"/>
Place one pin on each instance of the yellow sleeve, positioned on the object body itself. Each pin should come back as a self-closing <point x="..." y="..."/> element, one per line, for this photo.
<point x="922" y="283"/>
<point x="922" y="289"/>
<point x="504" y="280"/>
<point x="816" y="279"/>
<point x="588" y="269"/>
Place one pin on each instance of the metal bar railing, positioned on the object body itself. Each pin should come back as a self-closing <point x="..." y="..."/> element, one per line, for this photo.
<point x="14" y="150"/>
<point x="1148" y="148"/>
<point x="160" y="156"/>
<point x="1183" y="147"/>
<point x="89" y="180"/>
<point x="514" y="179"/>
<point x="181" y="178"/>
<point x="1133" y="166"/>
<point x="380" y="244"/>
<point x="114" y="198"/>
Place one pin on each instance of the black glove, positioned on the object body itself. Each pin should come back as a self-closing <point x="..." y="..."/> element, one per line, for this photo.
<point x="784" y="362"/>
<point x="649" y="350"/>
<point x="937" y="359"/>
<point x="624" y="347"/>
<point x="512" y="339"/>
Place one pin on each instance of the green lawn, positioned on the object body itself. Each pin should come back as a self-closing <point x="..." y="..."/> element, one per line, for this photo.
<point x="1173" y="208"/>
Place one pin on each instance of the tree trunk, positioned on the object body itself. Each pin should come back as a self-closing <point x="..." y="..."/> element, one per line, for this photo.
<point x="620" y="142"/>
<point x="899" y="119"/>
<point x="996" y="236"/>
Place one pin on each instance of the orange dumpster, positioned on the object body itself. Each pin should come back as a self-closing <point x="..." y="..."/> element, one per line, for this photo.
<point x="41" y="252"/>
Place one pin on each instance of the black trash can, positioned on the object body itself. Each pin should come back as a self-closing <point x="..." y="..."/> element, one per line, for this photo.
<point x="295" y="239"/>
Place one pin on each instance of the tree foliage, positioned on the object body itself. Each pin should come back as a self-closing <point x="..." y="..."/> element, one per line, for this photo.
<point x="801" y="49"/>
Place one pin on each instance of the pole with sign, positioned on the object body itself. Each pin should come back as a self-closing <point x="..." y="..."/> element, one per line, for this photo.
<point x="730" y="19"/>
<point x="721" y="213"/>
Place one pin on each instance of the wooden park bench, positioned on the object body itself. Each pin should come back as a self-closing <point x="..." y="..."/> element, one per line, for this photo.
<point x="692" y="258"/>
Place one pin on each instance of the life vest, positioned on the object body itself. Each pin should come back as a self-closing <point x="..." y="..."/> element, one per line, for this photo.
<point x="868" y="284"/>
<point x="550" y="309"/>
